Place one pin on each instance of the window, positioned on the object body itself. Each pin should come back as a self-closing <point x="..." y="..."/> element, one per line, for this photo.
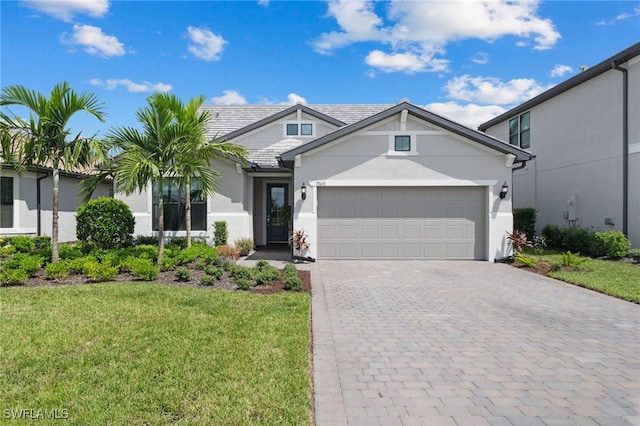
<point x="174" y="213"/>
<point x="299" y="129"/>
<point x="6" y="202"/>
<point x="403" y="143"/>
<point x="520" y="131"/>
<point x="292" y="130"/>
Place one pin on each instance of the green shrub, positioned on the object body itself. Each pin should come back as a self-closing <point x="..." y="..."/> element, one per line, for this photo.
<point x="292" y="283"/>
<point x="99" y="271"/>
<point x="290" y="270"/>
<point x="214" y="271"/>
<point x="142" y="268"/>
<point x="31" y="264"/>
<point x="143" y="240"/>
<point x="169" y="263"/>
<point x="220" y="233"/>
<point x="12" y="276"/>
<point x="241" y="273"/>
<point x="22" y="243"/>
<point x="243" y="284"/>
<point x="183" y="274"/>
<point x="57" y="270"/>
<point x="579" y="240"/>
<point x="553" y="235"/>
<point x="198" y="251"/>
<point x="179" y="242"/>
<point x="261" y="264"/>
<point x="77" y="265"/>
<point x="634" y="254"/>
<point x="527" y="261"/>
<point x="208" y="280"/>
<point x="105" y="221"/>
<point x="244" y="246"/>
<point x="146" y="251"/>
<point x="228" y="265"/>
<point x="7" y="251"/>
<point x="573" y="260"/>
<point x="265" y="273"/>
<point x="611" y="244"/>
<point x="70" y="251"/>
<point x="42" y="242"/>
<point x="524" y="219"/>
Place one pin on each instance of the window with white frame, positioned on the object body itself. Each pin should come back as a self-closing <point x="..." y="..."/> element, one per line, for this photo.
<point x="520" y="130"/>
<point x="299" y="129"/>
<point x="402" y="145"/>
<point x="6" y="202"/>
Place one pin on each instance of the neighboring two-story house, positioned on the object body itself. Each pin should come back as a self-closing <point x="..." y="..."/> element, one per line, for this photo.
<point x="585" y="134"/>
<point x="363" y="181"/>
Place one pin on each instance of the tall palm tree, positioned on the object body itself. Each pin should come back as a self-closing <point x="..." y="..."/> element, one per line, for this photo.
<point x="196" y="154"/>
<point x="47" y="140"/>
<point x="147" y="156"/>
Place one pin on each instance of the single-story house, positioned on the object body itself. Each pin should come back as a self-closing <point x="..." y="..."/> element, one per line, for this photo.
<point x="26" y="202"/>
<point x="585" y="134"/>
<point x="363" y="181"/>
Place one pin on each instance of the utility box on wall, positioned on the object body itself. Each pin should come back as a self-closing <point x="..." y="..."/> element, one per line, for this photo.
<point x="572" y="207"/>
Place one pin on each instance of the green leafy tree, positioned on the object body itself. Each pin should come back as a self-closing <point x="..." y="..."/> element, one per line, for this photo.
<point x="196" y="154"/>
<point x="44" y="138"/>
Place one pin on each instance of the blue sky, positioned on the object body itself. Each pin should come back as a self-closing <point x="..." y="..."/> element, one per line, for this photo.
<point x="466" y="60"/>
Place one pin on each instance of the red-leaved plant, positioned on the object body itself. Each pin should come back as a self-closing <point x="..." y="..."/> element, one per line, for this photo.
<point x="299" y="240"/>
<point x="518" y="240"/>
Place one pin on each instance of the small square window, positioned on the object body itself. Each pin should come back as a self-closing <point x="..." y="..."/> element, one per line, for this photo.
<point x="292" y="129"/>
<point x="306" y="129"/>
<point x="403" y="143"/>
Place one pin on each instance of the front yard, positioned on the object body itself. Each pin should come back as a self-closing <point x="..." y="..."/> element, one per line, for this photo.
<point x="141" y="353"/>
<point x="618" y="278"/>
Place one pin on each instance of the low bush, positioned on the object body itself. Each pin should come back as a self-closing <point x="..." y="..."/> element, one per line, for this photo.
<point x="144" y="240"/>
<point x="57" y="270"/>
<point x="579" y="240"/>
<point x="292" y="283"/>
<point x="572" y="260"/>
<point x="611" y="244"/>
<point x="182" y="274"/>
<point x="146" y="251"/>
<point x="22" y="243"/>
<point x="241" y="273"/>
<point x="142" y="268"/>
<point x="220" y="232"/>
<point x="7" y="251"/>
<point x="214" y="272"/>
<point x="553" y="235"/>
<point x="243" y="284"/>
<point x="634" y="254"/>
<point x="527" y="261"/>
<point x="106" y="222"/>
<point x="228" y="265"/>
<point x="290" y="270"/>
<point x="77" y="265"/>
<point x="524" y="219"/>
<point x="244" y="246"/>
<point x="264" y="273"/>
<point x="31" y="264"/>
<point x="42" y="242"/>
<point x="208" y="280"/>
<point x="70" y="251"/>
<point x="169" y="263"/>
<point x="197" y="251"/>
<point x="100" y="271"/>
<point x="12" y="276"/>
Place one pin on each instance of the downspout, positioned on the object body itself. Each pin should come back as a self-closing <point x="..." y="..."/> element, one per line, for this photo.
<point x="625" y="143"/>
<point x="38" y="198"/>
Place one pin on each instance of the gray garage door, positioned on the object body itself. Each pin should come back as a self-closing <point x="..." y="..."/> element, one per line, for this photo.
<point x="401" y="223"/>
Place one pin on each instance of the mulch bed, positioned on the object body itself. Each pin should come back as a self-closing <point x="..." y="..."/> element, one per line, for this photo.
<point x="543" y="268"/>
<point x="169" y="278"/>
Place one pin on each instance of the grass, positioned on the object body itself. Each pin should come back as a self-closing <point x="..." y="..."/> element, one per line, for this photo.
<point x="138" y="353"/>
<point x="615" y="278"/>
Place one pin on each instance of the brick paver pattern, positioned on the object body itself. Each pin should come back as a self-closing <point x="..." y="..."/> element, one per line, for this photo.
<point x="469" y="343"/>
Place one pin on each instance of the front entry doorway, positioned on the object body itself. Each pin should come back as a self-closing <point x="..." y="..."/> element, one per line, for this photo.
<point x="278" y="213"/>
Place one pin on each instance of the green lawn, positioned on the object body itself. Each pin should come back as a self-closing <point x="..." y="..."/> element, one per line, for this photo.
<point x="612" y="277"/>
<point x="139" y="353"/>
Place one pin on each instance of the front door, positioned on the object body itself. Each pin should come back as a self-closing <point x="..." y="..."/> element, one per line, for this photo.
<point x="278" y="213"/>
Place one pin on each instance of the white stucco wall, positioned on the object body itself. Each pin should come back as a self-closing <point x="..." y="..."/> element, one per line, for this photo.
<point x="442" y="159"/>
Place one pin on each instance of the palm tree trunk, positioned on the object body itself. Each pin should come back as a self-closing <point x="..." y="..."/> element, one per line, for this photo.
<point x="160" y="221"/>
<point x="55" y="256"/>
<point x="187" y="209"/>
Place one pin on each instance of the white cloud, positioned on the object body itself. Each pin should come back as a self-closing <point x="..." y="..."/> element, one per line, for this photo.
<point x="65" y="10"/>
<point x="481" y="58"/>
<point x="94" y="41"/>
<point x="406" y="62"/>
<point x="423" y="29"/>
<point x="470" y="115"/>
<point x="621" y="17"/>
<point x="294" y="98"/>
<point x="205" y="44"/>
<point x="229" y="97"/>
<point x="560" y="70"/>
<point x="489" y="90"/>
<point x="131" y="86"/>
<point x="264" y="3"/>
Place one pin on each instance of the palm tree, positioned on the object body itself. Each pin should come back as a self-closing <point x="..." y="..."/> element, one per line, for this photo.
<point x="194" y="161"/>
<point x="45" y="137"/>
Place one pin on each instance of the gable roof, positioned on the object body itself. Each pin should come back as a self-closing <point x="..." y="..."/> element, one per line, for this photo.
<point x="420" y="113"/>
<point x="233" y="120"/>
<point x="574" y="81"/>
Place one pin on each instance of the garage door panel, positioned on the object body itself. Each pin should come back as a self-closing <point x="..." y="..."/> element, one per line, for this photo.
<point x="409" y="223"/>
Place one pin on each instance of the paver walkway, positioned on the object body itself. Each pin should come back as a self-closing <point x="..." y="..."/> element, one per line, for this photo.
<point x="469" y="343"/>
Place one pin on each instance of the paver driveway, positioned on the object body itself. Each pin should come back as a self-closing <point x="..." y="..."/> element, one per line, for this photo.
<point x="469" y="343"/>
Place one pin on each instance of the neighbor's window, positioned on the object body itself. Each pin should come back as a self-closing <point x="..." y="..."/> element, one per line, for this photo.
<point x="292" y="130"/>
<point x="174" y="212"/>
<point x="520" y="131"/>
<point x="306" y="129"/>
<point x="403" y="143"/>
<point x="6" y="202"/>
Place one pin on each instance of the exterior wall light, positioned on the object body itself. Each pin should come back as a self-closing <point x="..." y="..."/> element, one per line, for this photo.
<point x="504" y="190"/>
<point x="303" y="192"/>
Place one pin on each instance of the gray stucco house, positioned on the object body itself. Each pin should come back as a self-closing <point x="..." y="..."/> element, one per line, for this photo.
<point x="363" y="181"/>
<point x="585" y="134"/>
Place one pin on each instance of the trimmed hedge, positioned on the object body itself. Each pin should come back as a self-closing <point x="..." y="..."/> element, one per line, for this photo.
<point x="586" y="242"/>
<point x="106" y="222"/>
<point x="524" y="219"/>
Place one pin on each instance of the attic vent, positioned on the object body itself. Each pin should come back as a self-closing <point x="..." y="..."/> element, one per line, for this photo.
<point x="403" y="100"/>
<point x="583" y="68"/>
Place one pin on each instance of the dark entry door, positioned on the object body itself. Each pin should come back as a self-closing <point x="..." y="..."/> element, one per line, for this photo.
<point x="278" y="212"/>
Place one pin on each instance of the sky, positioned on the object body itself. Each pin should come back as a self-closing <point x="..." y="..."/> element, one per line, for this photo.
<point x="466" y="60"/>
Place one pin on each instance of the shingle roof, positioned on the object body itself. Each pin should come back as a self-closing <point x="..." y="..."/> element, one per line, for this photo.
<point x="230" y="118"/>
